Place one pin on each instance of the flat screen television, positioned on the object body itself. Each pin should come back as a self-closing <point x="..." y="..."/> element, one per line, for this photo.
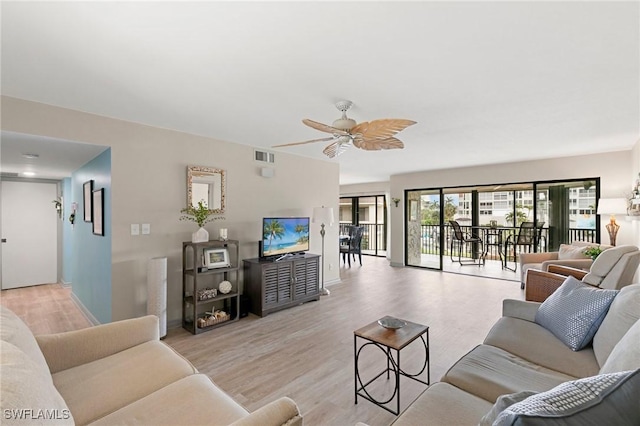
<point x="284" y="235"/>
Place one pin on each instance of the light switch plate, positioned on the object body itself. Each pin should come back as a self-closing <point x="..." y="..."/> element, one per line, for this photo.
<point x="135" y="229"/>
<point x="146" y="228"/>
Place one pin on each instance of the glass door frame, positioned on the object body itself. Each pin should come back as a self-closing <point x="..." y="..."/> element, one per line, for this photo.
<point x="380" y="200"/>
<point x="473" y="189"/>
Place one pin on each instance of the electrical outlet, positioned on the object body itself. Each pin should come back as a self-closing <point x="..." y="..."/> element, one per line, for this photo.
<point x="146" y="228"/>
<point x="135" y="229"/>
<point x="331" y="266"/>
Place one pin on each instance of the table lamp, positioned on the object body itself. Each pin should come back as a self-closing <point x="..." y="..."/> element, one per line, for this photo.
<point x="612" y="206"/>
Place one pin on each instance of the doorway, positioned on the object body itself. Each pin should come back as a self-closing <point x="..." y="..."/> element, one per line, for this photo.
<point x="370" y="212"/>
<point x="29" y="247"/>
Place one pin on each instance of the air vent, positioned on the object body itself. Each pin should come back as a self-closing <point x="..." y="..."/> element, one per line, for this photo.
<point x="265" y="157"/>
<point x="8" y="175"/>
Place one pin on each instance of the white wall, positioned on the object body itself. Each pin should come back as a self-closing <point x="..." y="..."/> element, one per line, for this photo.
<point x="613" y="168"/>
<point x="149" y="186"/>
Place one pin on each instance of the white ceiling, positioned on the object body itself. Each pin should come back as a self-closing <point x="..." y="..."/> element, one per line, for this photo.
<point x="487" y="82"/>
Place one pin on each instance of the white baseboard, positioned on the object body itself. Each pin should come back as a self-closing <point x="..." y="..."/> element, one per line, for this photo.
<point x="397" y="264"/>
<point x="332" y="282"/>
<point x="88" y="315"/>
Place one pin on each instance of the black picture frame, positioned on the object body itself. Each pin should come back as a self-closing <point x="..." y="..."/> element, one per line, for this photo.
<point x="87" y="193"/>
<point x="98" y="211"/>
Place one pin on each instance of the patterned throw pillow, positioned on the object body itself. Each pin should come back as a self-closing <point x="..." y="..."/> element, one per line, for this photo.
<point x="574" y="312"/>
<point x="606" y="399"/>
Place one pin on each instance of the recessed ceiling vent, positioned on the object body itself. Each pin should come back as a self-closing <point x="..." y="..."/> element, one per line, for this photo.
<point x="265" y="157"/>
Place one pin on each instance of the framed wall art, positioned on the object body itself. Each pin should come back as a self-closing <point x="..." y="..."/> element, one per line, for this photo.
<point x="98" y="211"/>
<point x="216" y="258"/>
<point x="87" y="190"/>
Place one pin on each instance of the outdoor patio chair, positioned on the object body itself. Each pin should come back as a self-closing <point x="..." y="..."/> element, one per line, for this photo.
<point x="527" y="238"/>
<point x="461" y="238"/>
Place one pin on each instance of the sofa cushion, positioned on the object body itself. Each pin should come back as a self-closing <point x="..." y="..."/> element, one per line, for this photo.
<point x="195" y="394"/>
<point x="502" y="403"/>
<point x="489" y="372"/>
<point x="598" y="400"/>
<point x="623" y="313"/>
<point x="98" y="388"/>
<point x="535" y="343"/>
<point x="626" y="354"/>
<point x="16" y="332"/>
<point x="574" y="312"/>
<point x="444" y="404"/>
<point x="567" y="251"/>
<point x="28" y="395"/>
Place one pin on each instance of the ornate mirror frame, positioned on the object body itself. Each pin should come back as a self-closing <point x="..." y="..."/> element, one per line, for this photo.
<point x="210" y="180"/>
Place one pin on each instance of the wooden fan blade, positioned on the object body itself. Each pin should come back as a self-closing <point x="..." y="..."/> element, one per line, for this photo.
<point x="335" y="149"/>
<point x="381" y="129"/>
<point x="303" y="143"/>
<point x="378" y="144"/>
<point x="323" y="127"/>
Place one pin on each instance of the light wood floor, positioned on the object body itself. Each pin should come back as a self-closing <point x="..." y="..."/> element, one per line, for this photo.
<point x="306" y="352"/>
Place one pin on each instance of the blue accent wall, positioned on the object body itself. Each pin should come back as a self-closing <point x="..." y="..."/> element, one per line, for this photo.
<point x="91" y="254"/>
<point x="67" y="231"/>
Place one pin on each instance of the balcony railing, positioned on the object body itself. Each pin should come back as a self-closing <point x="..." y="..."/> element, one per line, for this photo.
<point x="374" y="237"/>
<point x="430" y="240"/>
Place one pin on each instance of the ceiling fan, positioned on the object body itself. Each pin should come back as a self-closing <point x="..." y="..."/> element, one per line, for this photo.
<point x="371" y="136"/>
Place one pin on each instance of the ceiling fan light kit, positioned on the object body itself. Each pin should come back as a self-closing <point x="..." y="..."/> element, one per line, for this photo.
<point x="370" y="136"/>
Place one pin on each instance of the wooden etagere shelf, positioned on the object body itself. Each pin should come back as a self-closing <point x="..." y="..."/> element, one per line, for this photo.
<point x="204" y="315"/>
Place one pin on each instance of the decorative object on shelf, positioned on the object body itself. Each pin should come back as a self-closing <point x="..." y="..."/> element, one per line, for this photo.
<point x="395" y="201"/>
<point x="87" y="191"/>
<point x="206" y="184"/>
<point x="224" y="287"/>
<point x="207" y="293"/>
<point x="200" y="215"/>
<point x="593" y="252"/>
<point x="213" y="318"/>
<point x="323" y="215"/>
<point x="223" y="234"/>
<point x="216" y="258"/>
<point x="98" y="211"/>
<point x="391" y="322"/>
<point x="72" y="216"/>
<point x="612" y="206"/>
<point x="58" y="205"/>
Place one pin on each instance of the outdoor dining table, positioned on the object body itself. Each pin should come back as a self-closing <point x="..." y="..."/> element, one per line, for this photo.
<point x="492" y="236"/>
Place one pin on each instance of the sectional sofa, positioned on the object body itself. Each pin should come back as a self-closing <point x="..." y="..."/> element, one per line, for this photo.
<point x="522" y="362"/>
<point x="117" y="373"/>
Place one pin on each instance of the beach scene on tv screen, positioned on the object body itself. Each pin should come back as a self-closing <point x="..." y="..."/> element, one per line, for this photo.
<point x="285" y="236"/>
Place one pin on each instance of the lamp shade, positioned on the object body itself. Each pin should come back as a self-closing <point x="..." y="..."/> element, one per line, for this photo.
<point x="323" y="215"/>
<point x="612" y="206"/>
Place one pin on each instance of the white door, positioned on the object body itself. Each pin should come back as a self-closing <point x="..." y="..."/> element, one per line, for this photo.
<point x="29" y="234"/>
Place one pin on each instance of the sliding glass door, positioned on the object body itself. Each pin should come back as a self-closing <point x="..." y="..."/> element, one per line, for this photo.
<point x="423" y="228"/>
<point x="371" y="213"/>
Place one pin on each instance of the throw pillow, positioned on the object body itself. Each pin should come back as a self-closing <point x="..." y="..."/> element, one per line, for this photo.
<point x="567" y="251"/>
<point x="606" y="399"/>
<point x="502" y="403"/>
<point x="574" y="312"/>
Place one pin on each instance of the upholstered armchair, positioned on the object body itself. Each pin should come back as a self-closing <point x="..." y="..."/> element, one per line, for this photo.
<point x="613" y="269"/>
<point x="571" y="255"/>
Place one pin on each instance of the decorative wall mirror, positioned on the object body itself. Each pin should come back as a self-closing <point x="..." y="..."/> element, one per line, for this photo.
<point x="206" y="184"/>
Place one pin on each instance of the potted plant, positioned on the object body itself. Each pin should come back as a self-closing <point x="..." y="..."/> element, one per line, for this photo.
<point x="200" y="215"/>
<point x="593" y="252"/>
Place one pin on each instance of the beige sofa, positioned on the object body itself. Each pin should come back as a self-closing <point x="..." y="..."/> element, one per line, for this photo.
<point x="118" y="373"/>
<point x="518" y="354"/>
